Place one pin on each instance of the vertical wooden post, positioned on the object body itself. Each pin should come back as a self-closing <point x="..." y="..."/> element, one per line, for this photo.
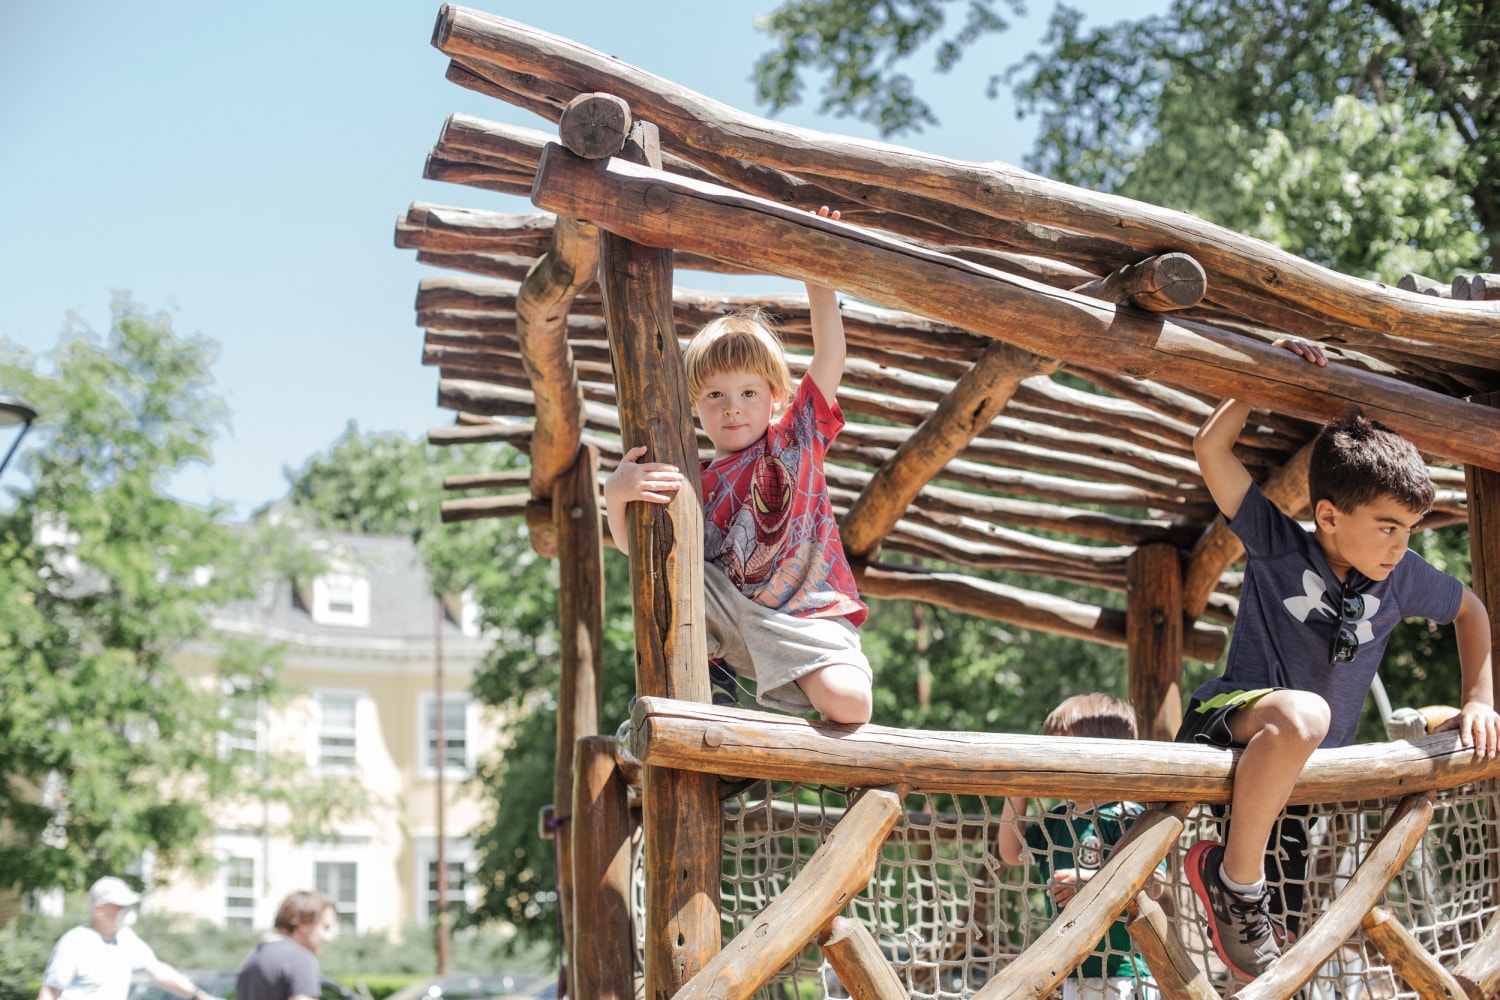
<point x="604" y="950"/>
<point x="580" y="555"/>
<point x="1153" y="636"/>
<point x="1483" y="486"/>
<point x="683" y="825"/>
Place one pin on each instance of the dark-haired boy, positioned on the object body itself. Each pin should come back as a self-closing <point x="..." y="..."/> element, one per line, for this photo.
<point x="1316" y="611"/>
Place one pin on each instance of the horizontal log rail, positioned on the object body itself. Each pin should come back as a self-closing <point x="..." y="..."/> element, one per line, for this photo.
<point x="656" y="209"/>
<point x="1347" y="911"/>
<point x="704" y="738"/>
<point x="837" y="871"/>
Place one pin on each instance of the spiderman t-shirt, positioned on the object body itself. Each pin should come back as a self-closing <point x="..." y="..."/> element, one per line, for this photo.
<point x="767" y="520"/>
<point x="1290" y="607"/>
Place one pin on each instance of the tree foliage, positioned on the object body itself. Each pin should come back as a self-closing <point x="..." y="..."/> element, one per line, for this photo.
<point x="110" y="751"/>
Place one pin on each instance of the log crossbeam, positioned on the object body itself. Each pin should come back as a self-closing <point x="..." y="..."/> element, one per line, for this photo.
<point x="1409" y="959"/>
<point x="837" y="871"/>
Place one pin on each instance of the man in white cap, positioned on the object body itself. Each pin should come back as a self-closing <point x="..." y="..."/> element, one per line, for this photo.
<point x="96" y="961"/>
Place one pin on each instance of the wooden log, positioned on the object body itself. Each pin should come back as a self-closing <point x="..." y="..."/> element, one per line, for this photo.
<point x="655" y="208"/>
<point x="514" y="432"/>
<point x="1218" y="548"/>
<point x="541" y="525"/>
<point x="1423" y="285"/>
<point x="683" y="835"/>
<point x="1484" y="287"/>
<point x="1460" y="288"/>
<point x="541" y="327"/>
<point x="982" y="192"/>
<point x="1298" y="963"/>
<point x="1153" y="635"/>
<point x="1076" y="931"/>
<point x="594" y="126"/>
<point x="479" y="508"/>
<point x="714" y="740"/>
<point x="1482" y="487"/>
<point x="837" y="871"/>
<point x="999" y="602"/>
<point x="1177" y="975"/>
<point x="487" y="480"/>
<point x="603" y="952"/>
<point x="1409" y="959"/>
<point x="963" y="414"/>
<point x="1478" y="972"/>
<point x="1163" y="283"/>
<point x="857" y="959"/>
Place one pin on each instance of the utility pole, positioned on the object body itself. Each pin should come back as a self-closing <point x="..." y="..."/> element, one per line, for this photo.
<point x="442" y="765"/>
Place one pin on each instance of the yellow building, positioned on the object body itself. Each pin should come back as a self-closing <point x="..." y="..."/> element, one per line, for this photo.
<point x="359" y="649"/>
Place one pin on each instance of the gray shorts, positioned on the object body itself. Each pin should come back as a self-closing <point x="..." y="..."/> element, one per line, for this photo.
<point x="773" y="647"/>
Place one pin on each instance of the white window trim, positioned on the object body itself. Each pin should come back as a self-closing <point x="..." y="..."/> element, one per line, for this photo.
<point x="339" y="855"/>
<point x="471" y="729"/>
<point x="455" y="851"/>
<point x="253" y="897"/>
<point x="358" y="616"/>
<point x="315" y="745"/>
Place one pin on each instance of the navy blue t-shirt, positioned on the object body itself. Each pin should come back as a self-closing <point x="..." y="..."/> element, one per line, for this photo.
<point x="1289" y="608"/>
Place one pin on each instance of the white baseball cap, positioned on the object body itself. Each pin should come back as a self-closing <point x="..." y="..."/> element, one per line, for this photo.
<point x="112" y="891"/>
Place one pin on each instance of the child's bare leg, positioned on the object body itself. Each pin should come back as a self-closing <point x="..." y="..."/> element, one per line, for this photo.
<point x="1280" y="732"/>
<point x="840" y="692"/>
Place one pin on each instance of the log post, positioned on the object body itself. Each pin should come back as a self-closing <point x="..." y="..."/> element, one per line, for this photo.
<point x="1153" y="628"/>
<point x="861" y="966"/>
<point x="1483" y="488"/>
<point x="1409" y="959"/>
<point x="680" y="809"/>
<point x="1172" y="966"/>
<point x="1162" y="283"/>
<point x="575" y="517"/>
<point x="602" y="941"/>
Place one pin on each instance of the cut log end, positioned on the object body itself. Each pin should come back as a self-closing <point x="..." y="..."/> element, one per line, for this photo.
<point x="595" y="126"/>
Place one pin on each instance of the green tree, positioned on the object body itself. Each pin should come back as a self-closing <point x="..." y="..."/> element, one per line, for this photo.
<point x="109" y="750"/>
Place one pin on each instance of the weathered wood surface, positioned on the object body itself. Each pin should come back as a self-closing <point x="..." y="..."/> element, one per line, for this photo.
<point x="1478" y="972"/>
<point x="837" y="871"/>
<point x="603" y="955"/>
<point x="1075" y="932"/>
<point x="962" y="415"/>
<point x="1482" y="486"/>
<point x="542" y="305"/>
<point x="1409" y="959"/>
<point x="1176" y="973"/>
<point x="1163" y="283"/>
<point x="1153" y="640"/>
<point x="973" y="198"/>
<point x="658" y="209"/>
<point x="594" y="126"/>
<point x="734" y="741"/>
<point x="861" y="966"/>
<point x="478" y="508"/>
<point x="1001" y="602"/>
<point x="1302" y="959"/>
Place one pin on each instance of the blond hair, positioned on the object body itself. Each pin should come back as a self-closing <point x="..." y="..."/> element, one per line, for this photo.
<point x="743" y="341"/>
<point x="1094" y="714"/>
<point x="303" y="907"/>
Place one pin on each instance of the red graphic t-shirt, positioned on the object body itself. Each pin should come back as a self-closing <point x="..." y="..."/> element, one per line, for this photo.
<point x="767" y="520"/>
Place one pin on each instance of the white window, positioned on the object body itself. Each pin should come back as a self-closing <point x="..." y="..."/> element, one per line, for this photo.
<point x="340" y="880"/>
<point x="341" y="598"/>
<point x="455" y="891"/>
<point x="337" y="730"/>
<point x="245" y="713"/>
<point x="457" y="747"/>
<point x="239" y="892"/>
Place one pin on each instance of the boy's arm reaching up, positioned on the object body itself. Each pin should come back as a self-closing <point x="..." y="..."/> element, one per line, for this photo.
<point x="651" y="482"/>
<point x="827" y="366"/>
<point x="1477" y="724"/>
<point x="1213" y="445"/>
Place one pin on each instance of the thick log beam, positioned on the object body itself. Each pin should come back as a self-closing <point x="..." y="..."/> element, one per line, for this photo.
<point x="861" y="966"/>
<point x="967" y="410"/>
<point x="479" y="508"/>
<point x="1074" y="934"/>
<point x="1347" y="911"/>
<point x="1409" y="959"/>
<point x="979" y="192"/>
<point x="837" y="871"/>
<point x="1154" y="639"/>
<point x="1000" y="602"/>
<point x="1218" y="548"/>
<point x="1164" y="283"/>
<point x="1171" y="964"/>
<point x="542" y="329"/>
<point x="594" y="126"/>
<point x="713" y="740"/>
<point x="657" y="209"/>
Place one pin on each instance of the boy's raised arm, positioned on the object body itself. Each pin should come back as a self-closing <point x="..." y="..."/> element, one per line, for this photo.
<point x="827" y="366"/>
<point x="1477" y="724"/>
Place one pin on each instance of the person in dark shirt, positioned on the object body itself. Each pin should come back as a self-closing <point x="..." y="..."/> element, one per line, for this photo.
<point x="285" y="965"/>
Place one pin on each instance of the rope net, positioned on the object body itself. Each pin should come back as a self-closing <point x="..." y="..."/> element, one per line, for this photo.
<point x="949" y="914"/>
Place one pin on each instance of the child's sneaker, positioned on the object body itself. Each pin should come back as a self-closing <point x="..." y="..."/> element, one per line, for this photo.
<point x="723" y="684"/>
<point x="1241" y="929"/>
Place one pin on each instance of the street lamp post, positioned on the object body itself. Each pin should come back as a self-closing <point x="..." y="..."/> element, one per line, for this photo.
<point x="14" y="411"/>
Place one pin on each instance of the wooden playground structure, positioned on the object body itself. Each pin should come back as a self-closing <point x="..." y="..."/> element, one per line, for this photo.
<point x="862" y="864"/>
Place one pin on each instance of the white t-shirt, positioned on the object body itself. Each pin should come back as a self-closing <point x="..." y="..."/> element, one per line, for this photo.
<point x="84" y="966"/>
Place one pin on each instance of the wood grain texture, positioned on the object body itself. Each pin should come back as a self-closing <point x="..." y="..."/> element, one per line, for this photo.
<point x="603" y="958"/>
<point x="1153" y="640"/>
<point x="1176" y="973"/>
<point x="1409" y="959"/>
<point x="861" y="966"/>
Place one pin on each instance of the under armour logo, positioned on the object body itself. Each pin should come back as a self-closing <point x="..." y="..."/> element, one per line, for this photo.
<point x="1315" y="599"/>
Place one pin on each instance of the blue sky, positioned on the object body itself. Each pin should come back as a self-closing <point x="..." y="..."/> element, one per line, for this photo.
<point x="242" y="166"/>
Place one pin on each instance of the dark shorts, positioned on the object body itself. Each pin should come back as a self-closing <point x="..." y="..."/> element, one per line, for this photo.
<point x="1207" y="722"/>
